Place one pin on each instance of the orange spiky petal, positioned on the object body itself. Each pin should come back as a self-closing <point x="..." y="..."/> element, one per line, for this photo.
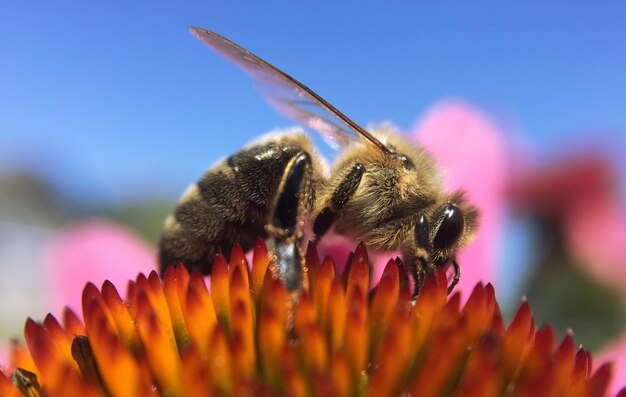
<point x="162" y="356"/>
<point x="384" y="302"/>
<point x="121" y="317"/>
<point x="312" y="266"/>
<point x="271" y="342"/>
<point x="238" y="258"/>
<point x="199" y="314"/>
<point x="194" y="377"/>
<point x="69" y="383"/>
<point x="220" y="362"/>
<point x="242" y="346"/>
<point x="20" y="357"/>
<point x="582" y="365"/>
<point x="260" y="263"/>
<point x="393" y="356"/>
<point x="60" y="339"/>
<point x="599" y="382"/>
<point x="320" y="291"/>
<point x="313" y="349"/>
<point x="358" y="274"/>
<point x="174" y="296"/>
<point x="117" y="367"/>
<point x="340" y="373"/>
<point x="355" y="338"/>
<point x="305" y="313"/>
<point x="72" y="325"/>
<point x="6" y="386"/>
<point x="239" y="288"/>
<point x="45" y="353"/>
<point x="220" y="290"/>
<point x="515" y="340"/>
<point x="563" y="360"/>
<point x="336" y="315"/>
<point x="275" y="297"/>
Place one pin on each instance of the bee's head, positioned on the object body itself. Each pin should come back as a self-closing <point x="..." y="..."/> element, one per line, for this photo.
<point x="446" y="229"/>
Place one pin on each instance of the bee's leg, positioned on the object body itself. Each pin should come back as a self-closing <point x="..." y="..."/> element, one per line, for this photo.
<point x="457" y="275"/>
<point x="290" y="193"/>
<point x="423" y="269"/>
<point x="420" y="272"/>
<point x="283" y="229"/>
<point x="340" y="197"/>
<point x="420" y="266"/>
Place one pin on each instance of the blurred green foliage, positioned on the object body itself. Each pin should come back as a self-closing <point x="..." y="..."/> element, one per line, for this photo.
<point x="563" y="295"/>
<point x="146" y="218"/>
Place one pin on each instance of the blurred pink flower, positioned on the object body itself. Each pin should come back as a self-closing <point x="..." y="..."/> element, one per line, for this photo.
<point x="596" y="231"/>
<point x="580" y="193"/>
<point x="4" y="356"/>
<point x="95" y="251"/>
<point x="470" y="149"/>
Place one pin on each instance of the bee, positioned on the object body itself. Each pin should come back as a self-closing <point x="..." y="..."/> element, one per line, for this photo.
<point x="383" y="189"/>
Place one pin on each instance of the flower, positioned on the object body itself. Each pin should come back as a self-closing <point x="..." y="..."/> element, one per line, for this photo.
<point x="249" y="336"/>
<point x="91" y="250"/>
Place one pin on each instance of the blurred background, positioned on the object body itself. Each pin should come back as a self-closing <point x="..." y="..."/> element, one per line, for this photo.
<point x="109" y="110"/>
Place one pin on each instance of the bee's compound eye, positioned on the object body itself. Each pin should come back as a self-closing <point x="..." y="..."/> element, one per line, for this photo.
<point x="450" y="227"/>
<point x="422" y="233"/>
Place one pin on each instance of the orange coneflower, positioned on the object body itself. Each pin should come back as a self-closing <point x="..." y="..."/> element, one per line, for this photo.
<point x="249" y="336"/>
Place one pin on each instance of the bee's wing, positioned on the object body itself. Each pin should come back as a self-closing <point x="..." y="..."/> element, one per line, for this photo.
<point x="289" y="96"/>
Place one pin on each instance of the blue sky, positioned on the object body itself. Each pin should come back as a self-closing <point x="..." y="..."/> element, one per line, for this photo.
<point x="116" y="100"/>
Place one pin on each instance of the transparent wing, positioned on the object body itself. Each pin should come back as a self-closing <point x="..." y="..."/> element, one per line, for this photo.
<point x="289" y="96"/>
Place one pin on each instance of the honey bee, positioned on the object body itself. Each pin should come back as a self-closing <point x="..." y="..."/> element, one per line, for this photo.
<point x="382" y="190"/>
